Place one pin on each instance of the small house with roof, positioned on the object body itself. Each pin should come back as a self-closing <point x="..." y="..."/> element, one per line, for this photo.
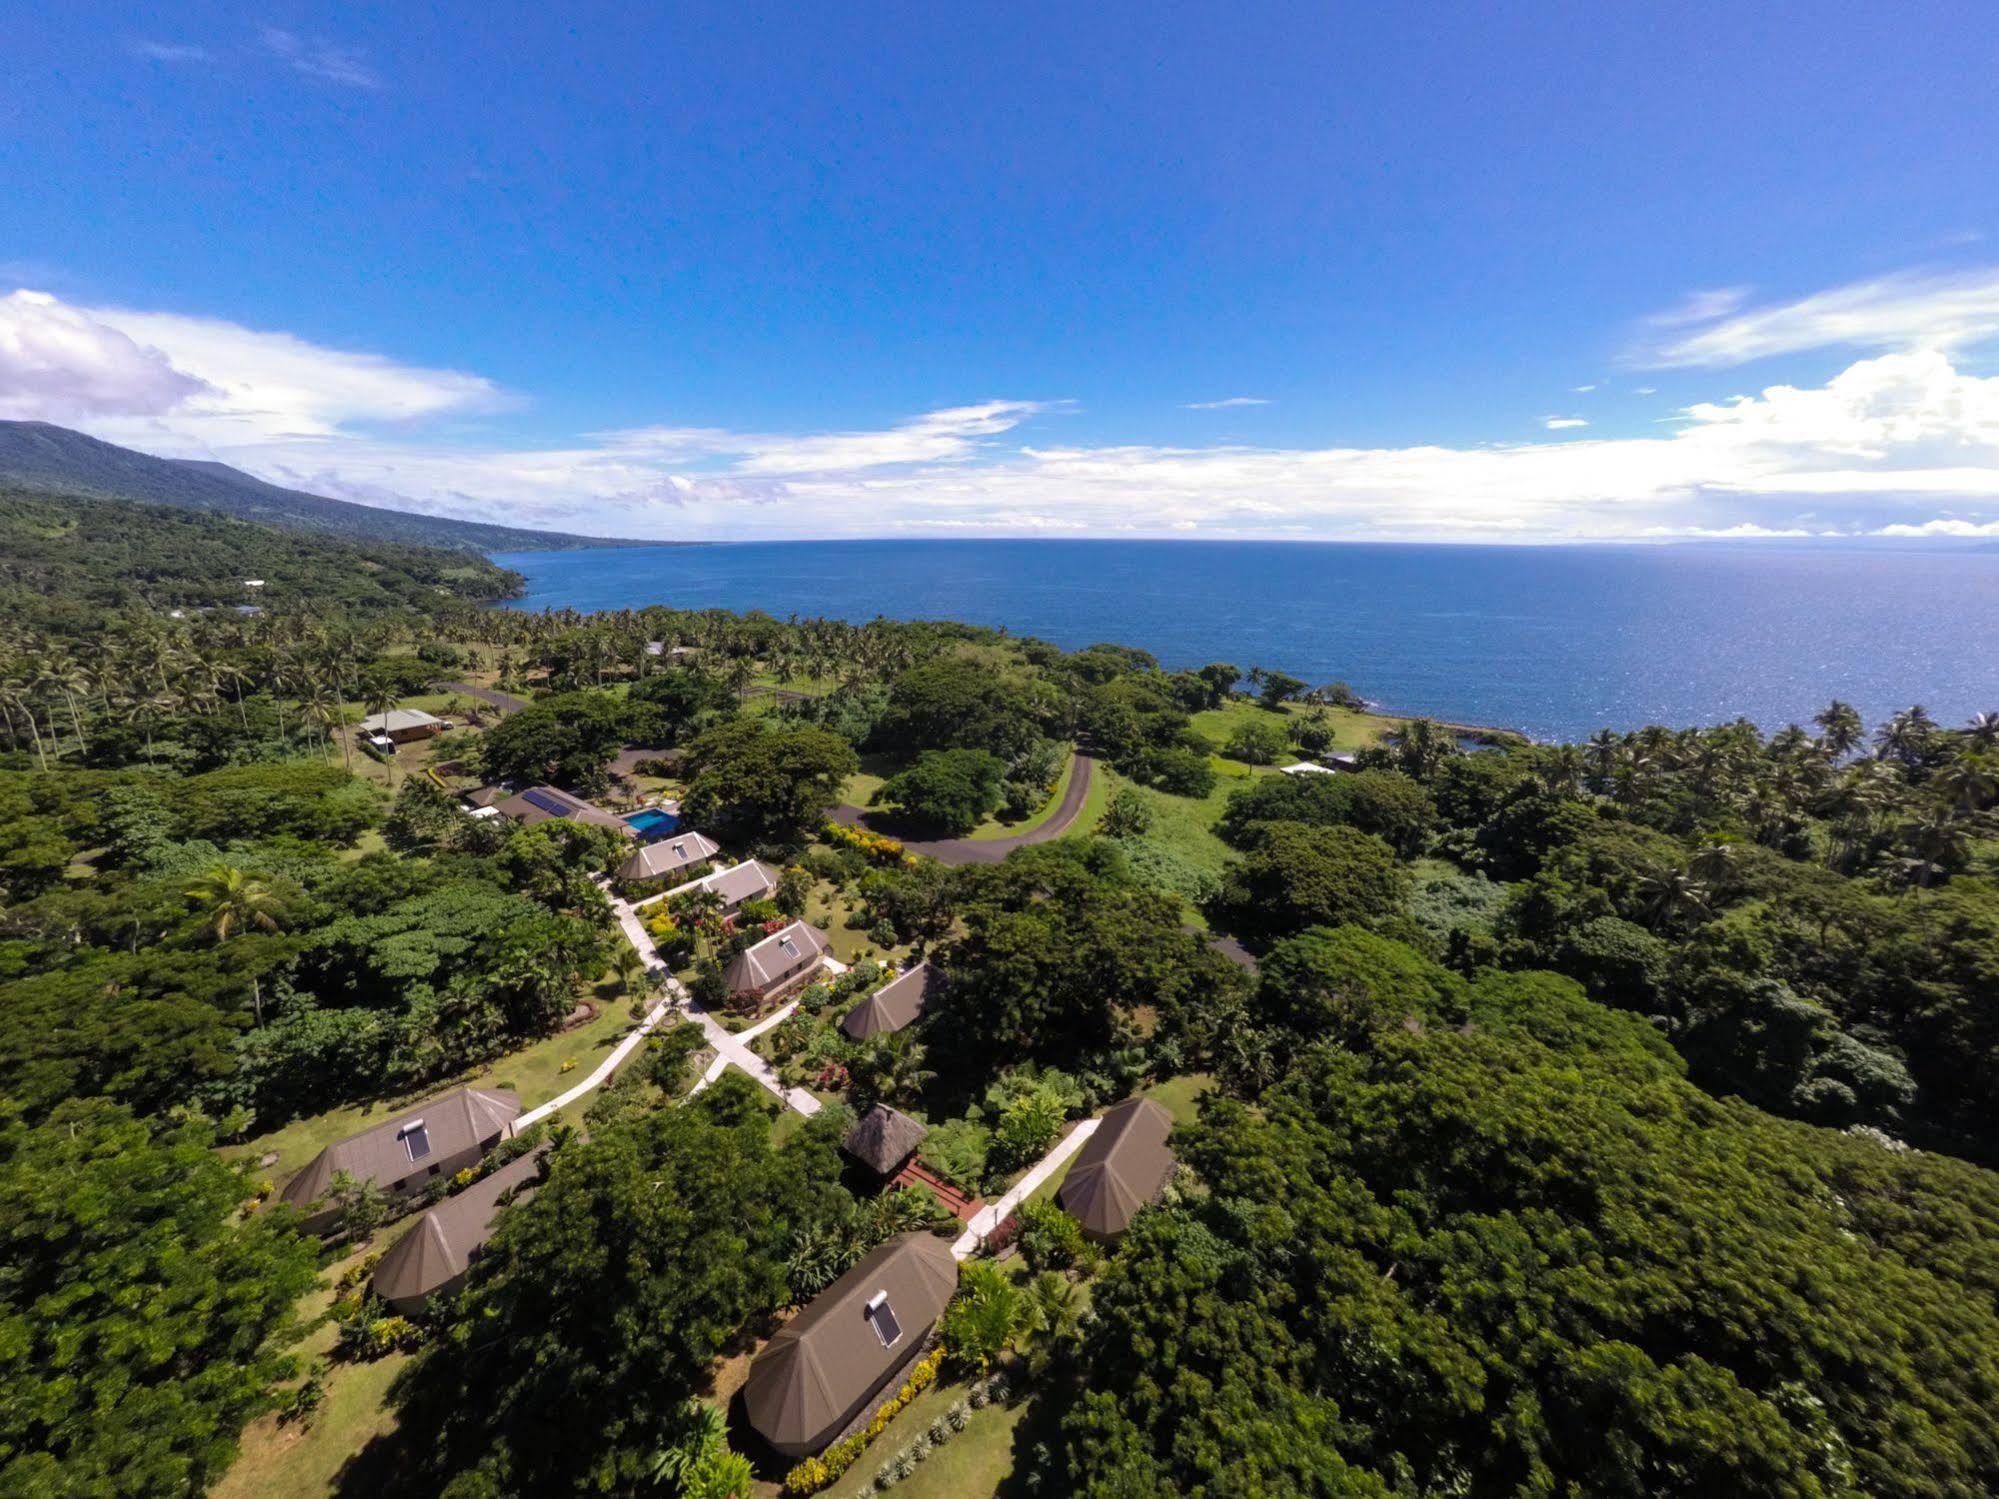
<point x="883" y="1139"/>
<point x="826" y="1368"/>
<point x="434" y="1257"/>
<point x="896" y="1004"/>
<point x="406" y="1152"/>
<point x="669" y="858"/>
<point x="741" y="883"/>
<point x="780" y="962"/>
<point x="402" y="725"/>
<point x="539" y="804"/>
<point x="1121" y="1168"/>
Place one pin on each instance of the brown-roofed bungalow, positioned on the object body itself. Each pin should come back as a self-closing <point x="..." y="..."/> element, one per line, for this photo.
<point x="669" y="858"/>
<point x="895" y="1004"/>
<point x="826" y="1366"/>
<point x="432" y="1259"/>
<point x="1121" y="1168"/>
<point x="739" y="883"/>
<point x="405" y="1152"/>
<point x="781" y="960"/>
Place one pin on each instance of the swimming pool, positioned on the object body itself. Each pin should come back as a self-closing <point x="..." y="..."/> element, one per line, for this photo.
<point x="653" y="824"/>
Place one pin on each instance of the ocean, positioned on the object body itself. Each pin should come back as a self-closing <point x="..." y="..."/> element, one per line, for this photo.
<point x="1554" y="641"/>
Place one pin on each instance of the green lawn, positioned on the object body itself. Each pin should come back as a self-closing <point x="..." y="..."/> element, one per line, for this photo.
<point x="1185" y="825"/>
<point x="971" y="1465"/>
<point x="535" y="1072"/>
<point x="1351" y="730"/>
<point x="1180" y="1096"/>
<point x="302" y="1462"/>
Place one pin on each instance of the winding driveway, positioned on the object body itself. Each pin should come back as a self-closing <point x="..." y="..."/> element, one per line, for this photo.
<point x="992" y="850"/>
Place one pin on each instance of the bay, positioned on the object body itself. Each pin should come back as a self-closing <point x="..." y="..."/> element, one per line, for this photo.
<point x="1554" y="641"/>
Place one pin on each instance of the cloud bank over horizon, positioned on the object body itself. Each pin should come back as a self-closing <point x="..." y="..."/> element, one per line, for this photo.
<point x="1900" y="439"/>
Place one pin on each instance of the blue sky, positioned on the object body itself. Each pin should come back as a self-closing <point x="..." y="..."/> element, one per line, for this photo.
<point x="1258" y="270"/>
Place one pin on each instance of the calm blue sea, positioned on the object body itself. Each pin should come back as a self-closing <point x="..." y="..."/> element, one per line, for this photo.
<point x="1556" y="641"/>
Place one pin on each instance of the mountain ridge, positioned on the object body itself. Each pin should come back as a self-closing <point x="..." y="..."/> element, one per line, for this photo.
<point x="45" y="458"/>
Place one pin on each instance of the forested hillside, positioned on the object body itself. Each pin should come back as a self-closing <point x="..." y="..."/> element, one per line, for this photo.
<point x="38" y="458"/>
<point x="1608" y="1119"/>
<point x="70" y="564"/>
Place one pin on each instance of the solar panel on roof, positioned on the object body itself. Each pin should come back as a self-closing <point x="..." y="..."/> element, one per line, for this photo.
<point x="881" y="1316"/>
<point x="546" y="802"/>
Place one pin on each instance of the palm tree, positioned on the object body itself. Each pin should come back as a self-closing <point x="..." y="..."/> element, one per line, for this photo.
<point x="1970" y="782"/>
<point x="1983" y="730"/>
<point x="1936" y="842"/>
<point x="894" y="1069"/>
<point x="1675" y="898"/>
<point x="230" y="899"/>
<point x="1905" y="736"/>
<point x="1840" y="729"/>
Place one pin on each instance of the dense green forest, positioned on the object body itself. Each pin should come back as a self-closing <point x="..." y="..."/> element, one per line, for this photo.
<point x="71" y="566"/>
<point x="1599" y="1119"/>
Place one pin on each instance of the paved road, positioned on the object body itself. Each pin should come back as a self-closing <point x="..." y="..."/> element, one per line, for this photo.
<point x="990" y="850"/>
<point x="486" y="695"/>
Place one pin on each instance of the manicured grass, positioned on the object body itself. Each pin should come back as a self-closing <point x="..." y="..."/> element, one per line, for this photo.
<point x="992" y="828"/>
<point x="865" y="782"/>
<point x="303" y="1462"/>
<point x="292" y="1463"/>
<point x="971" y="1465"/>
<point x="1180" y="1096"/>
<point x="1351" y="730"/>
<point x="535" y="1072"/>
<point x="826" y="909"/>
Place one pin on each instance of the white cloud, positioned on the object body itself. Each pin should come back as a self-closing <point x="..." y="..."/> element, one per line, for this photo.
<point x="1563" y="423"/>
<point x="317" y="58"/>
<point x="1904" y="439"/>
<point x="223" y="384"/>
<point x="1583" y="390"/>
<point x="169" y="51"/>
<point x="1647" y="390"/>
<point x="1226" y="404"/>
<point x="59" y="364"/>
<point x="1939" y="310"/>
<point x="1942" y="527"/>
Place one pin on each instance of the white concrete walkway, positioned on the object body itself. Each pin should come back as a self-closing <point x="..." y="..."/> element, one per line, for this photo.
<point x="597" y="1079"/>
<point x="993" y="1214"/>
<point x="731" y="1049"/>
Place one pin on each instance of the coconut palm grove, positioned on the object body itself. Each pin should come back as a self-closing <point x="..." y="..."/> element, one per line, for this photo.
<point x="1292" y="1099"/>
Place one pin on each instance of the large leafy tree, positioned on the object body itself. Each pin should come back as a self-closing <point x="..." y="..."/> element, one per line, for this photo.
<point x="765" y="785"/>
<point x="602" y="1303"/>
<point x="1062" y="948"/>
<point x="1523" y="1254"/>
<point x="1295" y="875"/>
<point x="139" y="1321"/>
<point x="568" y="739"/>
<point x="955" y="702"/>
<point x="951" y="790"/>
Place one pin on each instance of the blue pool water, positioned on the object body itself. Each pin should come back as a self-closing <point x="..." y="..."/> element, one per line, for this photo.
<point x="653" y="824"/>
<point x="1557" y="641"/>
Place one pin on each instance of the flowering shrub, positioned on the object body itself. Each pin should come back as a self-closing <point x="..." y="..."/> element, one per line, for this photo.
<point x="816" y="1472"/>
<point x="1004" y="1233"/>
<point x="877" y="848"/>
